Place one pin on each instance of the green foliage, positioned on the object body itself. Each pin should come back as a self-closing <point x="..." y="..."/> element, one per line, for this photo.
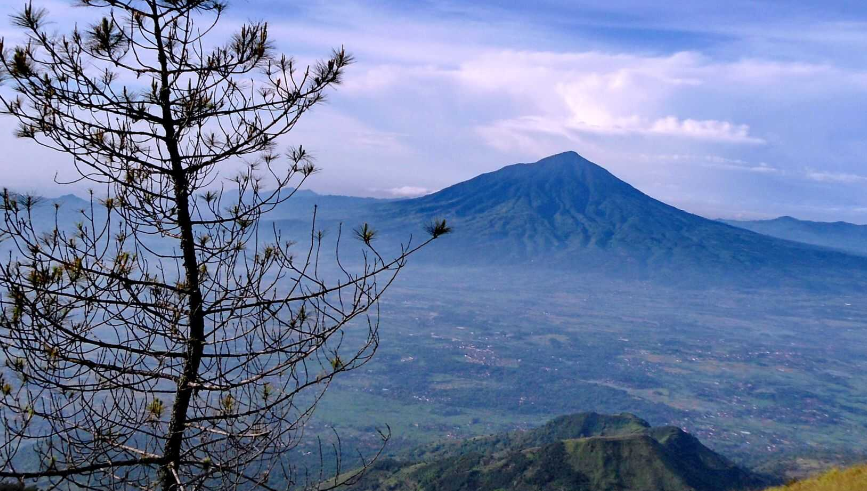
<point x="29" y="17"/>
<point x="22" y="66"/>
<point x="5" y="387"/>
<point x="156" y="408"/>
<point x="106" y="38"/>
<point x="365" y="233"/>
<point x="437" y="228"/>
<point x="228" y="404"/>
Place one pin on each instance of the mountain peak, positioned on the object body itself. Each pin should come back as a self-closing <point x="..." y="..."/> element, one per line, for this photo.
<point x="567" y="163"/>
<point x="564" y="158"/>
<point x="565" y="179"/>
<point x="548" y="199"/>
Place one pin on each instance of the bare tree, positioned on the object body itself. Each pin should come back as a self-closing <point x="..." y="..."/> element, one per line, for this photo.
<point x="168" y="340"/>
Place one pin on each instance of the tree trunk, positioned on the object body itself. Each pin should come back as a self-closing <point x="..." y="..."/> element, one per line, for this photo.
<point x="195" y="337"/>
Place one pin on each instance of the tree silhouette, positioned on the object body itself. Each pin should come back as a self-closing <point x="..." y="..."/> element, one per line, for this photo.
<point x="167" y="340"/>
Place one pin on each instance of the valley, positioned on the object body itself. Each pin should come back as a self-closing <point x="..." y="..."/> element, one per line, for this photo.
<point x="765" y="377"/>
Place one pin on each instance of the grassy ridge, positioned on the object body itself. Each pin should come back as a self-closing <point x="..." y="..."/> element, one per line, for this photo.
<point x="854" y="479"/>
<point x="581" y="452"/>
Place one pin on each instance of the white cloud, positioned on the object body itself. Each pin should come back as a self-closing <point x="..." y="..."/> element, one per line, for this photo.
<point x="760" y="168"/>
<point x="600" y="93"/>
<point x="523" y="132"/>
<point x="835" y="177"/>
<point x="682" y="95"/>
<point x="704" y="130"/>
<point x="713" y="162"/>
<point x="408" y="191"/>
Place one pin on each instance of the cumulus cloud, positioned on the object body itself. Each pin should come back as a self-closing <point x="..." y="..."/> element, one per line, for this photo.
<point x="601" y="93"/>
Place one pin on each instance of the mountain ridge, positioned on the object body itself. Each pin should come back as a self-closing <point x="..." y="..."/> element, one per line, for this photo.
<point x="564" y="211"/>
<point x="585" y="451"/>
<point x="843" y="236"/>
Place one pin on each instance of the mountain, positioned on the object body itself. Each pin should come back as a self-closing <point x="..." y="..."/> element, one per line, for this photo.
<point x="587" y="451"/>
<point x="64" y="210"/>
<point x="567" y="212"/>
<point x="567" y="209"/>
<point x="836" y="235"/>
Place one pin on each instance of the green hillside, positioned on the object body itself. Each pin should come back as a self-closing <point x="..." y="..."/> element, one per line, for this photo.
<point x="854" y="479"/>
<point x="581" y="452"/>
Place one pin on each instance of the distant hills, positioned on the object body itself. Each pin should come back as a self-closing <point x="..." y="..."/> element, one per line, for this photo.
<point x="586" y="451"/>
<point x="837" y="235"/>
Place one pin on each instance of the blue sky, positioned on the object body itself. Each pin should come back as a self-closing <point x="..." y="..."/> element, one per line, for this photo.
<point x="724" y="108"/>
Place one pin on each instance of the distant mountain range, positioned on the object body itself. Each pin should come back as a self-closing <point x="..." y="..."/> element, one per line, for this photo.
<point x="567" y="212"/>
<point x="585" y="451"/>
<point x="837" y="235"/>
